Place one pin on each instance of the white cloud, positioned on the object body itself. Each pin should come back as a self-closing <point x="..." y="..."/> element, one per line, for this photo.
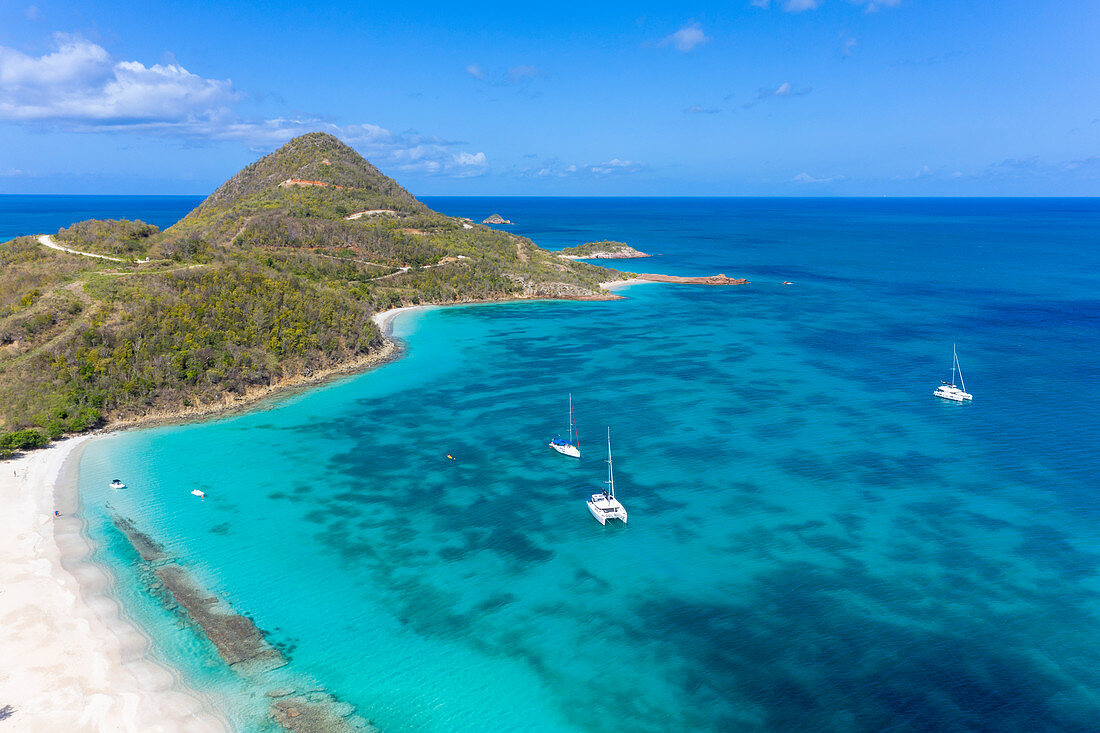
<point x="75" y="62"/>
<point x="784" y="90"/>
<point x="472" y="159"/>
<point x="1092" y="162"/>
<point x="807" y="178"/>
<point x="1027" y="168"/>
<point x="873" y="5"/>
<point x="799" y="6"/>
<point x="552" y="168"/>
<point x="923" y="172"/>
<point x="80" y="84"/>
<point x="615" y="166"/>
<point x="466" y="165"/>
<point x="80" y="88"/>
<point x="32" y="13"/>
<point x="687" y="38"/>
<point x="429" y="158"/>
<point x="696" y="109"/>
<point x="475" y="71"/>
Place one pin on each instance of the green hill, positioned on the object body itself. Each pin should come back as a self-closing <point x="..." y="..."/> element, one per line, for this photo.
<point x="312" y="176"/>
<point x="272" y="278"/>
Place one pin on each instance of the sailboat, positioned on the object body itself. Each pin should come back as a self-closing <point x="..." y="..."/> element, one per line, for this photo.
<point x="950" y="391"/>
<point x="571" y="447"/>
<point x="604" y="505"/>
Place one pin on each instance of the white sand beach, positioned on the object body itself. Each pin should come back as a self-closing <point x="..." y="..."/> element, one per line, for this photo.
<point x="384" y="319"/>
<point x="615" y="284"/>
<point x="69" y="662"/>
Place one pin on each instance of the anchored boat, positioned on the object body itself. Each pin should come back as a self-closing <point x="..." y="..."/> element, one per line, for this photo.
<point x="949" y="391"/>
<point x="117" y="484"/>
<point x="604" y="505"/>
<point x="571" y="447"/>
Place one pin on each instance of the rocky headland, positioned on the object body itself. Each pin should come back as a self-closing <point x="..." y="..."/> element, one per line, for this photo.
<point x="606" y="250"/>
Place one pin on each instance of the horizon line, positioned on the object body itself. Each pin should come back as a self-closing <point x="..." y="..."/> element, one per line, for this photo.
<point x="631" y="196"/>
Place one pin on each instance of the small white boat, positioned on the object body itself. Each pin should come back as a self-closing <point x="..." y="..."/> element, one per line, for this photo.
<point x="949" y="391"/>
<point x="604" y="505"/>
<point x="571" y="447"/>
<point x="116" y="484"/>
<point x="199" y="493"/>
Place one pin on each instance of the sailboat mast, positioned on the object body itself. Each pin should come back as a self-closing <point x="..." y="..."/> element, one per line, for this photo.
<point x="954" y="363"/>
<point x="570" y="417"/>
<point x="610" y="469"/>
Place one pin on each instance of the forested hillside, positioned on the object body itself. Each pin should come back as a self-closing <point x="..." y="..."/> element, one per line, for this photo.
<point x="274" y="275"/>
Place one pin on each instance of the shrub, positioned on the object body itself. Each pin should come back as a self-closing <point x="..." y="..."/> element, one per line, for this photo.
<point x="22" y="440"/>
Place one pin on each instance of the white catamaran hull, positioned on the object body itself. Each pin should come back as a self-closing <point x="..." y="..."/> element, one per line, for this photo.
<point x="567" y="450"/>
<point x="604" y="507"/>
<point x="953" y="393"/>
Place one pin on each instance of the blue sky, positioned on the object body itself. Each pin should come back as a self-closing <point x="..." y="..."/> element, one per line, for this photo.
<point x="751" y="97"/>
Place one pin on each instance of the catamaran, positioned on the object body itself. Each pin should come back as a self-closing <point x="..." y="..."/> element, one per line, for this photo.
<point x="950" y="391"/>
<point x="604" y="505"/>
<point x="571" y="447"/>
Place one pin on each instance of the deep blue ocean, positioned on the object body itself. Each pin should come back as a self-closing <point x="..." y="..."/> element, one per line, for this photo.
<point x="28" y="214"/>
<point x="816" y="543"/>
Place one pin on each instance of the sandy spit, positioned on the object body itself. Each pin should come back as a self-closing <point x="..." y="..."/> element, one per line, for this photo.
<point x="615" y="284"/>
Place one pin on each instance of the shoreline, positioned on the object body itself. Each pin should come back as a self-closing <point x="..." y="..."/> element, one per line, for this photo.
<point x="389" y="352"/>
<point x="604" y="256"/>
<point x="232" y="405"/>
<point x="384" y="319"/>
<point x="82" y="663"/>
<point x="72" y="661"/>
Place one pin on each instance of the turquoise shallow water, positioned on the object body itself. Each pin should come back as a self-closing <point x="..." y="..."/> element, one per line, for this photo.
<point x="816" y="543"/>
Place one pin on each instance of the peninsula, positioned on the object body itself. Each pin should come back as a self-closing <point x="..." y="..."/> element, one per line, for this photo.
<point x="270" y="282"/>
<point x="718" y="279"/>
